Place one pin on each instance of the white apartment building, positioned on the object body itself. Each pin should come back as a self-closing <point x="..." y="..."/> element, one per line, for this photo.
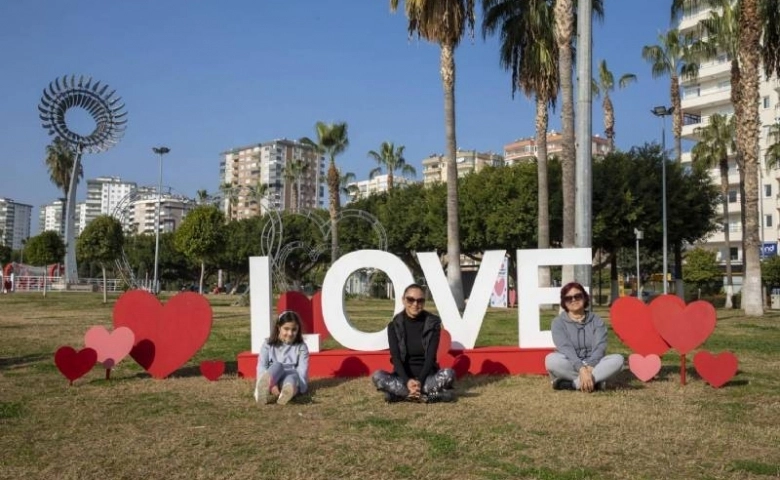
<point x="244" y="168"/>
<point x="51" y="217"/>
<point x="378" y="184"/>
<point x="14" y="223"/>
<point x="468" y="161"/>
<point x="142" y="212"/>
<point x="81" y="217"/>
<point x="103" y="196"/>
<point x="710" y="93"/>
<point x="525" y="149"/>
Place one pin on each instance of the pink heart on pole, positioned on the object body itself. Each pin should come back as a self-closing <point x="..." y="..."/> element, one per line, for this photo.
<point x="688" y="328"/>
<point x="498" y="287"/>
<point x="73" y="364"/>
<point x="111" y="347"/>
<point x="644" y="367"/>
<point x="632" y="321"/>
<point x="717" y="369"/>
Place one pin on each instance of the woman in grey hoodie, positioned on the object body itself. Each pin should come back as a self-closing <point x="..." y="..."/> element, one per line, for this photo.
<point x="580" y="338"/>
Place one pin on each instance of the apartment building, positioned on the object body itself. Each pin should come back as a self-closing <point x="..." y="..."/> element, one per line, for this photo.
<point x="378" y="184"/>
<point x="14" y="223"/>
<point x="468" y="161"/>
<point x="271" y="163"/>
<point x="51" y="217"/>
<point x="103" y="196"/>
<point x="142" y="211"/>
<point x="525" y="149"/>
<point x="710" y="93"/>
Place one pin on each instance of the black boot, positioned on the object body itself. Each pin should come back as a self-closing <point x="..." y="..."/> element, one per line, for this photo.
<point x="390" y="398"/>
<point x="440" y="396"/>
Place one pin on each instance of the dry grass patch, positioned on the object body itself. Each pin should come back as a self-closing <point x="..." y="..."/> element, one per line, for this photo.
<point x="501" y="427"/>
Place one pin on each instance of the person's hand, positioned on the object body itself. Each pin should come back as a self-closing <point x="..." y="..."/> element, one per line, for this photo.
<point x="414" y="387"/>
<point x="275" y="390"/>
<point x="586" y="379"/>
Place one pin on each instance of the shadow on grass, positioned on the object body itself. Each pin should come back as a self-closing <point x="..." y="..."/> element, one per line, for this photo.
<point x="24" y="360"/>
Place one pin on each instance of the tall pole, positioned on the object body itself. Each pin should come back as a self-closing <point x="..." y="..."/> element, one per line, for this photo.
<point x="71" y="268"/>
<point x="662" y="112"/>
<point x="583" y="176"/>
<point x="639" y="235"/>
<point x="155" y="283"/>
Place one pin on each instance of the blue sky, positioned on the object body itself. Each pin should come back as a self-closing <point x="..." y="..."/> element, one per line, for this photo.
<point x="202" y="77"/>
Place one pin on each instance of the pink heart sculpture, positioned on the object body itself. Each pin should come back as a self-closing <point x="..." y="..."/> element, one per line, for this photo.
<point x="73" y="364"/>
<point x="212" y="369"/>
<point x="717" y="369"/>
<point x="166" y="337"/>
<point x="632" y="321"/>
<point x="644" y="367"/>
<point x="111" y="347"/>
<point x="689" y="327"/>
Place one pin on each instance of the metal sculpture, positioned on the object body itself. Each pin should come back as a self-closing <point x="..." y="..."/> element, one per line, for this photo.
<point x="110" y="119"/>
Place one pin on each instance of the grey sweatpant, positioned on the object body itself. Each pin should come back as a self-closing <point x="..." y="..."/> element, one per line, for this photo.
<point x="280" y="376"/>
<point x="558" y="366"/>
<point x="392" y="383"/>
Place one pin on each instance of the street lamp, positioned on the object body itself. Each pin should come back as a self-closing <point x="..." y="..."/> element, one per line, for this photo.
<point x="639" y="236"/>
<point x="662" y="112"/>
<point x="155" y="283"/>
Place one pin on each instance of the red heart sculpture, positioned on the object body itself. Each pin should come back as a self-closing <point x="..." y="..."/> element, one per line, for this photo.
<point x="73" y="364"/>
<point x="111" y="347"/>
<point x="166" y="337"/>
<point x="212" y="369"/>
<point x="687" y="328"/>
<point x="716" y="370"/>
<point x="298" y="303"/>
<point x="644" y="367"/>
<point x="317" y="317"/>
<point x="632" y="321"/>
<point x="443" y="357"/>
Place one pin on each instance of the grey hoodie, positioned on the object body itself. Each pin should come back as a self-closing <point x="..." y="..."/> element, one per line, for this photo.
<point x="582" y="343"/>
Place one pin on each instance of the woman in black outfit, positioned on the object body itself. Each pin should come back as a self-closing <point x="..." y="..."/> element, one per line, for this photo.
<point x="413" y="335"/>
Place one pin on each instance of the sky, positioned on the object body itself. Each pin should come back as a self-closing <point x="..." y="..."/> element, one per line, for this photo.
<point x="203" y="77"/>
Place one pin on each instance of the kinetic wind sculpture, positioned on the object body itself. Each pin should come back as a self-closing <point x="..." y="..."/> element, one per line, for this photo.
<point x="110" y="119"/>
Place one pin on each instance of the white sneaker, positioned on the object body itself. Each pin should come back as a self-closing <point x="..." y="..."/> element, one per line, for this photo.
<point x="262" y="385"/>
<point x="288" y="392"/>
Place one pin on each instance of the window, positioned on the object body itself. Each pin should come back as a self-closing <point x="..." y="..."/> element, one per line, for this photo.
<point x="732" y="196"/>
<point x="734" y="253"/>
<point x="765" y="102"/>
<point x="768" y="220"/>
<point x="768" y="190"/>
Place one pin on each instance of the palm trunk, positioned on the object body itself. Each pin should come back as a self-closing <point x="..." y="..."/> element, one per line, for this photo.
<point x="724" y="191"/>
<point x="105" y="294"/>
<point x="333" y="208"/>
<point x="609" y="121"/>
<point x="747" y="138"/>
<point x="676" y="118"/>
<point x="202" y="274"/>
<point x="614" y="291"/>
<point x="543" y="220"/>
<point x="736" y="101"/>
<point x="453" y="232"/>
<point x="564" y="19"/>
<point x="389" y="179"/>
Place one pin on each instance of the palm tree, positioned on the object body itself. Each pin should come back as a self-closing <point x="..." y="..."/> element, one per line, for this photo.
<point x="332" y="140"/>
<point x="256" y="193"/>
<point x="347" y="186"/>
<point x="59" y="161"/>
<point x="772" y="155"/>
<point x="674" y="57"/>
<point x="292" y="174"/>
<point x="392" y="158"/>
<point x="444" y="22"/>
<point x="715" y="145"/>
<point x="202" y="197"/>
<point x="229" y="198"/>
<point x="602" y="87"/>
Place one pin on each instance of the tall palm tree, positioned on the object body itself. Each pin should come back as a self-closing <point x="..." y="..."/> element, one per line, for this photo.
<point x="603" y="87"/>
<point x="675" y="57"/>
<point x="347" y="186"/>
<point x="392" y="158"/>
<point x="292" y="174"/>
<point x="444" y="22"/>
<point x="772" y="154"/>
<point x="60" y="158"/>
<point x="229" y="197"/>
<point x="332" y="140"/>
<point x="255" y="195"/>
<point x="716" y="143"/>
<point x="202" y="197"/>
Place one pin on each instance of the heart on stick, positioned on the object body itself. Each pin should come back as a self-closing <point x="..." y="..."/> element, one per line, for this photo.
<point x="111" y="347"/>
<point x="716" y="369"/>
<point x="166" y="337"/>
<point x="688" y="328"/>
<point x="74" y="364"/>
<point x="212" y="369"/>
<point x="645" y="367"/>
<point x="632" y="321"/>
<point x="498" y="287"/>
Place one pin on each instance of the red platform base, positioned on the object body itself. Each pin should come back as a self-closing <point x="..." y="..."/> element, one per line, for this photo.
<point x="479" y="361"/>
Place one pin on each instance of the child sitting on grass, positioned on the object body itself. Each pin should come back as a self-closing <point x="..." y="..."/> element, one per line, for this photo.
<point x="283" y="364"/>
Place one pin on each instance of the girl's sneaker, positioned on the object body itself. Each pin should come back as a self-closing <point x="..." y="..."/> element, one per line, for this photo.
<point x="288" y="392"/>
<point x="262" y="385"/>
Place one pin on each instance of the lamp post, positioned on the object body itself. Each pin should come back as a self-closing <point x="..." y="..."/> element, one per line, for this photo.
<point x="639" y="236"/>
<point x="662" y="112"/>
<point x="155" y="283"/>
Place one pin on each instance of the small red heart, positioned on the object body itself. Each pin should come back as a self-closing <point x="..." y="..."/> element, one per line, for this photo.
<point x="644" y="367"/>
<point x="166" y="337"/>
<point x="632" y="322"/>
<point x="73" y="364"/>
<point x="212" y="369"/>
<point x="687" y="328"/>
<point x="716" y="370"/>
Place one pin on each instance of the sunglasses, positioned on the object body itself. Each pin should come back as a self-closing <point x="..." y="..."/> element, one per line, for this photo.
<point x="418" y="301"/>
<point x="573" y="298"/>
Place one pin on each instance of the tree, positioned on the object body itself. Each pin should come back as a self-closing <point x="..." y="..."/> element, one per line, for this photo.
<point x="701" y="269"/>
<point x="332" y="140"/>
<point x="5" y="254"/>
<point x="202" y="197"/>
<point x="347" y="186"/>
<point x="59" y="161"/>
<point x="201" y="236"/>
<point x="772" y="154"/>
<point x="715" y="145"/>
<point x="229" y="198"/>
<point x="603" y="87"/>
<point x="43" y="250"/>
<point x="392" y="158"/>
<point x="292" y="174"/>
<point x="444" y="23"/>
<point x="255" y="195"/>
<point x="770" y="272"/>
<point x="101" y="241"/>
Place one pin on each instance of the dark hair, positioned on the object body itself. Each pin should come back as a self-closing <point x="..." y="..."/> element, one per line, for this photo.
<point x="565" y="291"/>
<point x="286" y="316"/>
<point x="414" y="285"/>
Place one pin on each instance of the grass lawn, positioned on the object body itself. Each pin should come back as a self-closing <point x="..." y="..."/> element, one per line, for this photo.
<point x="134" y="427"/>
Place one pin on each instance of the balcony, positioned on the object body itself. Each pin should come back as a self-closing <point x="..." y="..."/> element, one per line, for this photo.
<point x="718" y="68"/>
